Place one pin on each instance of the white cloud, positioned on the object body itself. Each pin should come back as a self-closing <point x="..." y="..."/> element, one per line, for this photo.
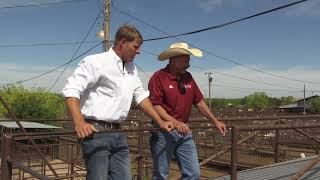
<point x="311" y="8"/>
<point x="10" y="73"/>
<point x="226" y="86"/>
<point x="223" y="86"/>
<point x="208" y="5"/>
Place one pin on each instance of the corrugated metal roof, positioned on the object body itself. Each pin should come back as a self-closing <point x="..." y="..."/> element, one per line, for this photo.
<point x="27" y="125"/>
<point x="279" y="171"/>
<point x="295" y="105"/>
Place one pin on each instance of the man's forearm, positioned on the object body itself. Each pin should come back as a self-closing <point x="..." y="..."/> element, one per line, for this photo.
<point x="204" y="110"/>
<point x="146" y="106"/>
<point x="163" y="113"/>
<point x="73" y="105"/>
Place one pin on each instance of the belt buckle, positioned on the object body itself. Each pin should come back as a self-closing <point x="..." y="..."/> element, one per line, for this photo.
<point x="99" y="126"/>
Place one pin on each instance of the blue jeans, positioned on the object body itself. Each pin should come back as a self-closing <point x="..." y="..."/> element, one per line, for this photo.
<point x="164" y="145"/>
<point x="107" y="157"/>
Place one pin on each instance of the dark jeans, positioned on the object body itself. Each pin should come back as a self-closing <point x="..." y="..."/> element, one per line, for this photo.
<point x="164" y="145"/>
<point x="107" y="157"/>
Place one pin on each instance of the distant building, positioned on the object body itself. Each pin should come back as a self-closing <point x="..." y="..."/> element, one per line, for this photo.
<point x="299" y="105"/>
<point x="12" y="126"/>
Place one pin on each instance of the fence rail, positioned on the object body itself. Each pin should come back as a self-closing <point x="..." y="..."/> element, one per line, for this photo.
<point x="252" y="142"/>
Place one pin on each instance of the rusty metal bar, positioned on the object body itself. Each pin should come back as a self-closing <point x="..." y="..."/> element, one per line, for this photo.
<point x="28" y="170"/>
<point x="306" y="169"/>
<point x="6" y="153"/>
<point x="258" y="118"/>
<point x="72" y="170"/>
<point x="68" y="177"/>
<point x="140" y="163"/>
<point x="277" y="147"/>
<point x="24" y="131"/>
<point x="304" y="133"/>
<point x="275" y="127"/>
<point x="224" y="150"/>
<point x="227" y="148"/>
<point x="234" y="151"/>
<point x="69" y="132"/>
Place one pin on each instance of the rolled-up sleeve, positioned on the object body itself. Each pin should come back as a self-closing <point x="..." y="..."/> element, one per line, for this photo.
<point x="156" y="93"/>
<point x="83" y="76"/>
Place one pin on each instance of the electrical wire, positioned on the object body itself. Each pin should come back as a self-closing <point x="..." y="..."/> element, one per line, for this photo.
<point x="45" y="44"/>
<point x="54" y="69"/>
<point x="96" y="19"/>
<point x="219" y="26"/>
<point x="212" y="27"/>
<point x="225" y="74"/>
<point x="43" y="4"/>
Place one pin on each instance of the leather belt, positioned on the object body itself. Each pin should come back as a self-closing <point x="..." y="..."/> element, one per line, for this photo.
<point x="103" y="125"/>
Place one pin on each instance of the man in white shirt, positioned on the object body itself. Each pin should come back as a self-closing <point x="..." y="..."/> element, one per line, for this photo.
<point x="98" y="96"/>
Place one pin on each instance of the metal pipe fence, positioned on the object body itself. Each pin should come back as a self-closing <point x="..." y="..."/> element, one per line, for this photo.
<point x="277" y="150"/>
<point x="251" y="142"/>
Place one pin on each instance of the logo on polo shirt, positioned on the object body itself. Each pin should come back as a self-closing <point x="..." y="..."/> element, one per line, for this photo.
<point x="170" y="86"/>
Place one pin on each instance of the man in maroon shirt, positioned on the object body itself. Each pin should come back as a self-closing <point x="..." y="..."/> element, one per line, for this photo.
<point x="173" y="91"/>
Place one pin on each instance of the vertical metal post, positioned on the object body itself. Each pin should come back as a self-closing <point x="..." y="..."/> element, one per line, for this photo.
<point x="72" y="170"/>
<point x="234" y="150"/>
<point x="277" y="147"/>
<point x="209" y="84"/>
<point x="205" y="148"/>
<point x="24" y="131"/>
<point x="214" y="144"/>
<point x="304" y="99"/>
<point x="106" y="25"/>
<point x="140" y="144"/>
<point x="6" y="154"/>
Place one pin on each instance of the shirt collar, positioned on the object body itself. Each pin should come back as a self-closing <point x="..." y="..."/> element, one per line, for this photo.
<point x="115" y="56"/>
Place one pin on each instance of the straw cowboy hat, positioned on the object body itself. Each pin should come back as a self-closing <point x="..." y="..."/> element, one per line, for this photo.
<point x="178" y="49"/>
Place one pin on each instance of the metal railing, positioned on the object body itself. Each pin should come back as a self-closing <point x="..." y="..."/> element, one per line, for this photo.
<point x="279" y="129"/>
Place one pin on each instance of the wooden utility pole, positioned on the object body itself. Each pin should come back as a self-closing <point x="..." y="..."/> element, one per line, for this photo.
<point x="209" y="84"/>
<point x="304" y="99"/>
<point x="106" y="25"/>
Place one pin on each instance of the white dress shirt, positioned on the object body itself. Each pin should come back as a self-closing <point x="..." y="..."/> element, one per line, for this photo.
<point x="105" y="87"/>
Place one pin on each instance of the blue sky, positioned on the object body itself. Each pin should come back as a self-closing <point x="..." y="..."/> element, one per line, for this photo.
<point x="284" y="42"/>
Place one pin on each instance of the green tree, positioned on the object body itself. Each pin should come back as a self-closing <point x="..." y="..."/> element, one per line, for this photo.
<point x="223" y="103"/>
<point x="34" y="103"/>
<point x="274" y="102"/>
<point x="256" y="100"/>
<point x="315" y="104"/>
<point x="287" y="100"/>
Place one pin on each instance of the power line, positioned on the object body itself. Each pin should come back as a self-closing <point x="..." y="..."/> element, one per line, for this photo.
<point x="255" y="69"/>
<point x="205" y="29"/>
<point x="219" y="26"/>
<point x="146" y="74"/>
<point x="47" y="72"/>
<point x="257" y="89"/>
<point x="216" y="26"/>
<point x="45" y="44"/>
<point x="43" y="4"/>
<point x="225" y="74"/>
<point x="96" y="19"/>
<point x="242" y="78"/>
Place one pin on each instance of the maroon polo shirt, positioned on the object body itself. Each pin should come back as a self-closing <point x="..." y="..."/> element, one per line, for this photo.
<point x="163" y="87"/>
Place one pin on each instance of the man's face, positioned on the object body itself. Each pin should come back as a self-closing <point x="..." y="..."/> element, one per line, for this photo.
<point x="130" y="50"/>
<point x="181" y="63"/>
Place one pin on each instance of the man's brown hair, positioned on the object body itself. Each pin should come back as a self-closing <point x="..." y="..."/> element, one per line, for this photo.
<point x="129" y="33"/>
